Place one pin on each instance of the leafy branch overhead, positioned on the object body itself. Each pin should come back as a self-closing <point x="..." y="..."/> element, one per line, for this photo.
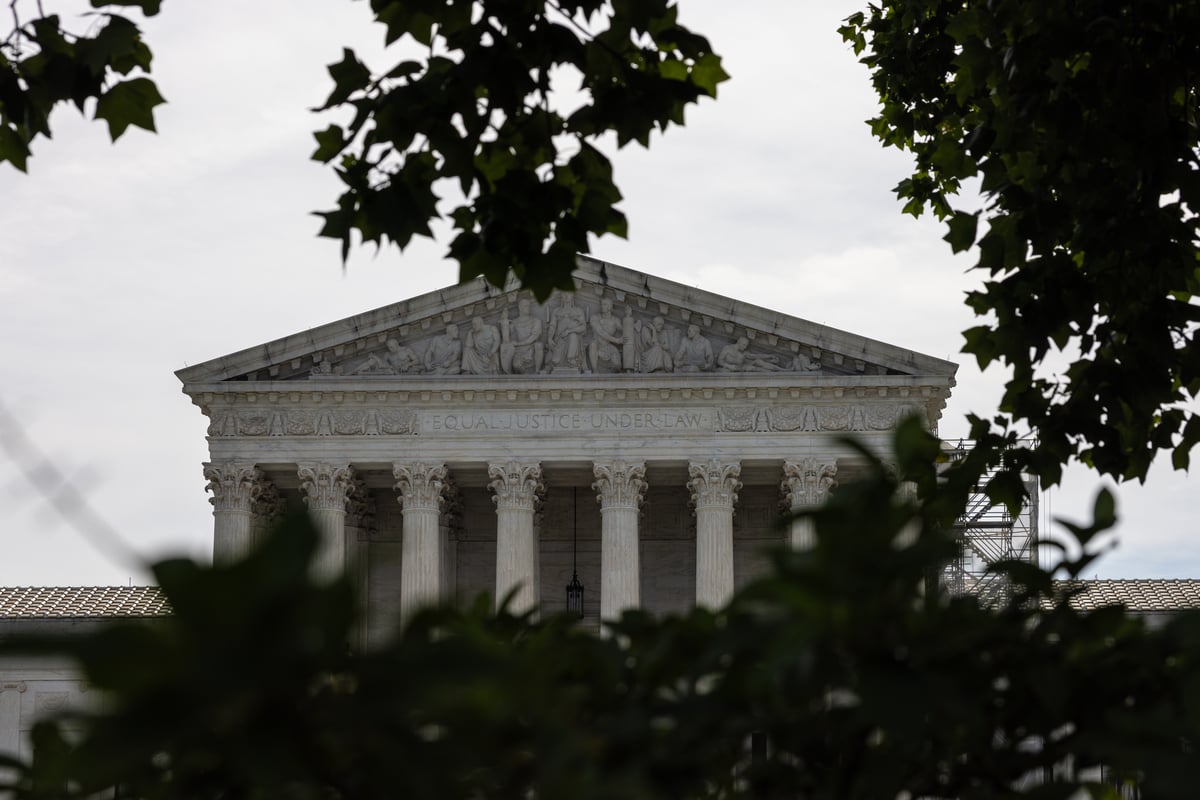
<point x="1082" y="134"/>
<point x="485" y="111"/>
<point x="42" y="64"/>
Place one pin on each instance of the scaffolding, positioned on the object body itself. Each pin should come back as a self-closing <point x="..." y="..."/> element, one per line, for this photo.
<point x="989" y="533"/>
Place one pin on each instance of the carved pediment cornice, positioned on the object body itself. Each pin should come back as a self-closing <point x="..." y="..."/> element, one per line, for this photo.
<point x="619" y="322"/>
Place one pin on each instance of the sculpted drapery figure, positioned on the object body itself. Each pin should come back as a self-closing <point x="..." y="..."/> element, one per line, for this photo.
<point x="568" y="324"/>
<point x="607" y="340"/>
<point x="695" y="353"/>
<point x="444" y="356"/>
<point x="398" y="360"/>
<point x="481" y="354"/>
<point x="656" y="347"/>
<point x="570" y="339"/>
<point x="734" y="358"/>
<point x="522" y="351"/>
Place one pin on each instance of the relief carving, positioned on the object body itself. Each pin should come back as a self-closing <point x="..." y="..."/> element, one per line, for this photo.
<point x="694" y="353"/>
<point x="568" y="324"/>
<point x="657" y="347"/>
<point x="481" y="354"/>
<point x="398" y="360"/>
<point x="608" y="341"/>
<point x="397" y="422"/>
<point x="734" y="358"/>
<point x="444" y="356"/>
<point x="348" y="423"/>
<point x="738" y="420"/>
<point x="301" y="423"/>
<point x="577" y="333"/>
<point x="253" y="423"/>
<point x="521" y="348"/>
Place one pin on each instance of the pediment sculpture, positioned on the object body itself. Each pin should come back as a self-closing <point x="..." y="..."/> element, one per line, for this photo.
<point x="576" y="334"/>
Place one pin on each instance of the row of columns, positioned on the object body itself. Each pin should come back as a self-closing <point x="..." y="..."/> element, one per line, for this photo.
<point x="243" y="501"/>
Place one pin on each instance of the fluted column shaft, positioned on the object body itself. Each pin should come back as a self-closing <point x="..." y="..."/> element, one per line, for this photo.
<point x="360" y="519"/>
<point x="326" y="488"/>
<point x="806" y="484"/>
<point x="516" y="487"/>
<point x="423" y="568"/>
<point x="620" y="487"/>
<point x="714" y="486"/>
<point x="235" y="487"/>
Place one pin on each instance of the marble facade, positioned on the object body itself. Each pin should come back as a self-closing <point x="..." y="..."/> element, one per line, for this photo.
<point x="461" y="441"/>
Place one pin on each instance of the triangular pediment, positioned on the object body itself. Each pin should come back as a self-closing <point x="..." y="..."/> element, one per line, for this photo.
<point x="618" y="321"/>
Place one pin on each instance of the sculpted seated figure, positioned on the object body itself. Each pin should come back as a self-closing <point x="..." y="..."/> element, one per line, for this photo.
<point x="398" y="360"/>
<point x="656" y="347"/>
<point x="607" y="340"/>
<point x="734" y="358"/>
<point x="481" y="354"/>
<point x="568" y="323"/>
<point x="522" y="351"/>
<point x="444" y="356"/>
<point x="695" y="353"/>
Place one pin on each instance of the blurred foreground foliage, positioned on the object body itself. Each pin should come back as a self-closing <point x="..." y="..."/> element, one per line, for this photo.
<point x="860" y="676"/>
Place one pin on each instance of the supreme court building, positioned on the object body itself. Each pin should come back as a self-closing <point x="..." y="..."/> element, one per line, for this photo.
<point x="644" y="433"/>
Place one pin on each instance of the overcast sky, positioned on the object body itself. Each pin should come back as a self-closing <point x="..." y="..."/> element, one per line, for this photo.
<point x="121" y="264"/>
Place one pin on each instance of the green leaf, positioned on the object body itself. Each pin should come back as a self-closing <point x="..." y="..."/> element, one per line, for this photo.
<point x="708" y="72"/>
<point x="13" y="148"/>
<point x="962" y="227"/>
<point x="330" y="142"/>
<point x="128" y="103"/>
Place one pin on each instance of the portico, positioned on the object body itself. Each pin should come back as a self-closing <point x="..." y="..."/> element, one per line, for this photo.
<point x="601" y="421"/>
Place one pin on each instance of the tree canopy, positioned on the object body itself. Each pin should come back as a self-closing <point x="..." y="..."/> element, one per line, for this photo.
<point x="1078" y="125"/>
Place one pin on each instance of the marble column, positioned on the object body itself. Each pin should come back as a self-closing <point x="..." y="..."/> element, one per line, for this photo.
<point x="360" y="519"/>
<point x="806" y="484"/>
<point x="516" y="487"/>
<point x="620" y="487"/>
<point x="235" y="487"/>
<point x="714" y="486"/>
<point x="423" y="568"/>
<point x="326" y="488"/>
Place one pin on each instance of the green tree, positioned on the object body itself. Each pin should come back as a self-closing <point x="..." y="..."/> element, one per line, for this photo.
<point x="1078" y="124"/>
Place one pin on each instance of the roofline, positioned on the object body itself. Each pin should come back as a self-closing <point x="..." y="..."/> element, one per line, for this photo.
<point x="588" y="270"/>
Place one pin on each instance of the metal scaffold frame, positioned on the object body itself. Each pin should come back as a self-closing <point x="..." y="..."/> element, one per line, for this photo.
<point x="989" y="533"/>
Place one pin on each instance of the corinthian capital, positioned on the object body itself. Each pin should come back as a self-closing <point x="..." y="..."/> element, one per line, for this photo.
<point x="235" y="487"/>
<point x="807" y="482"/>
<point x="714" y="483"/>
<point x="619" y="484"/>
<point x="420" y="485"/>
<point x="326" y="486"/>
<point x="516" y="484"/>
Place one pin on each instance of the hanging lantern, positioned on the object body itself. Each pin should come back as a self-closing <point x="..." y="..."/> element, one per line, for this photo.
<point x="575" y="596"/>
<point x="575" y="588"/>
